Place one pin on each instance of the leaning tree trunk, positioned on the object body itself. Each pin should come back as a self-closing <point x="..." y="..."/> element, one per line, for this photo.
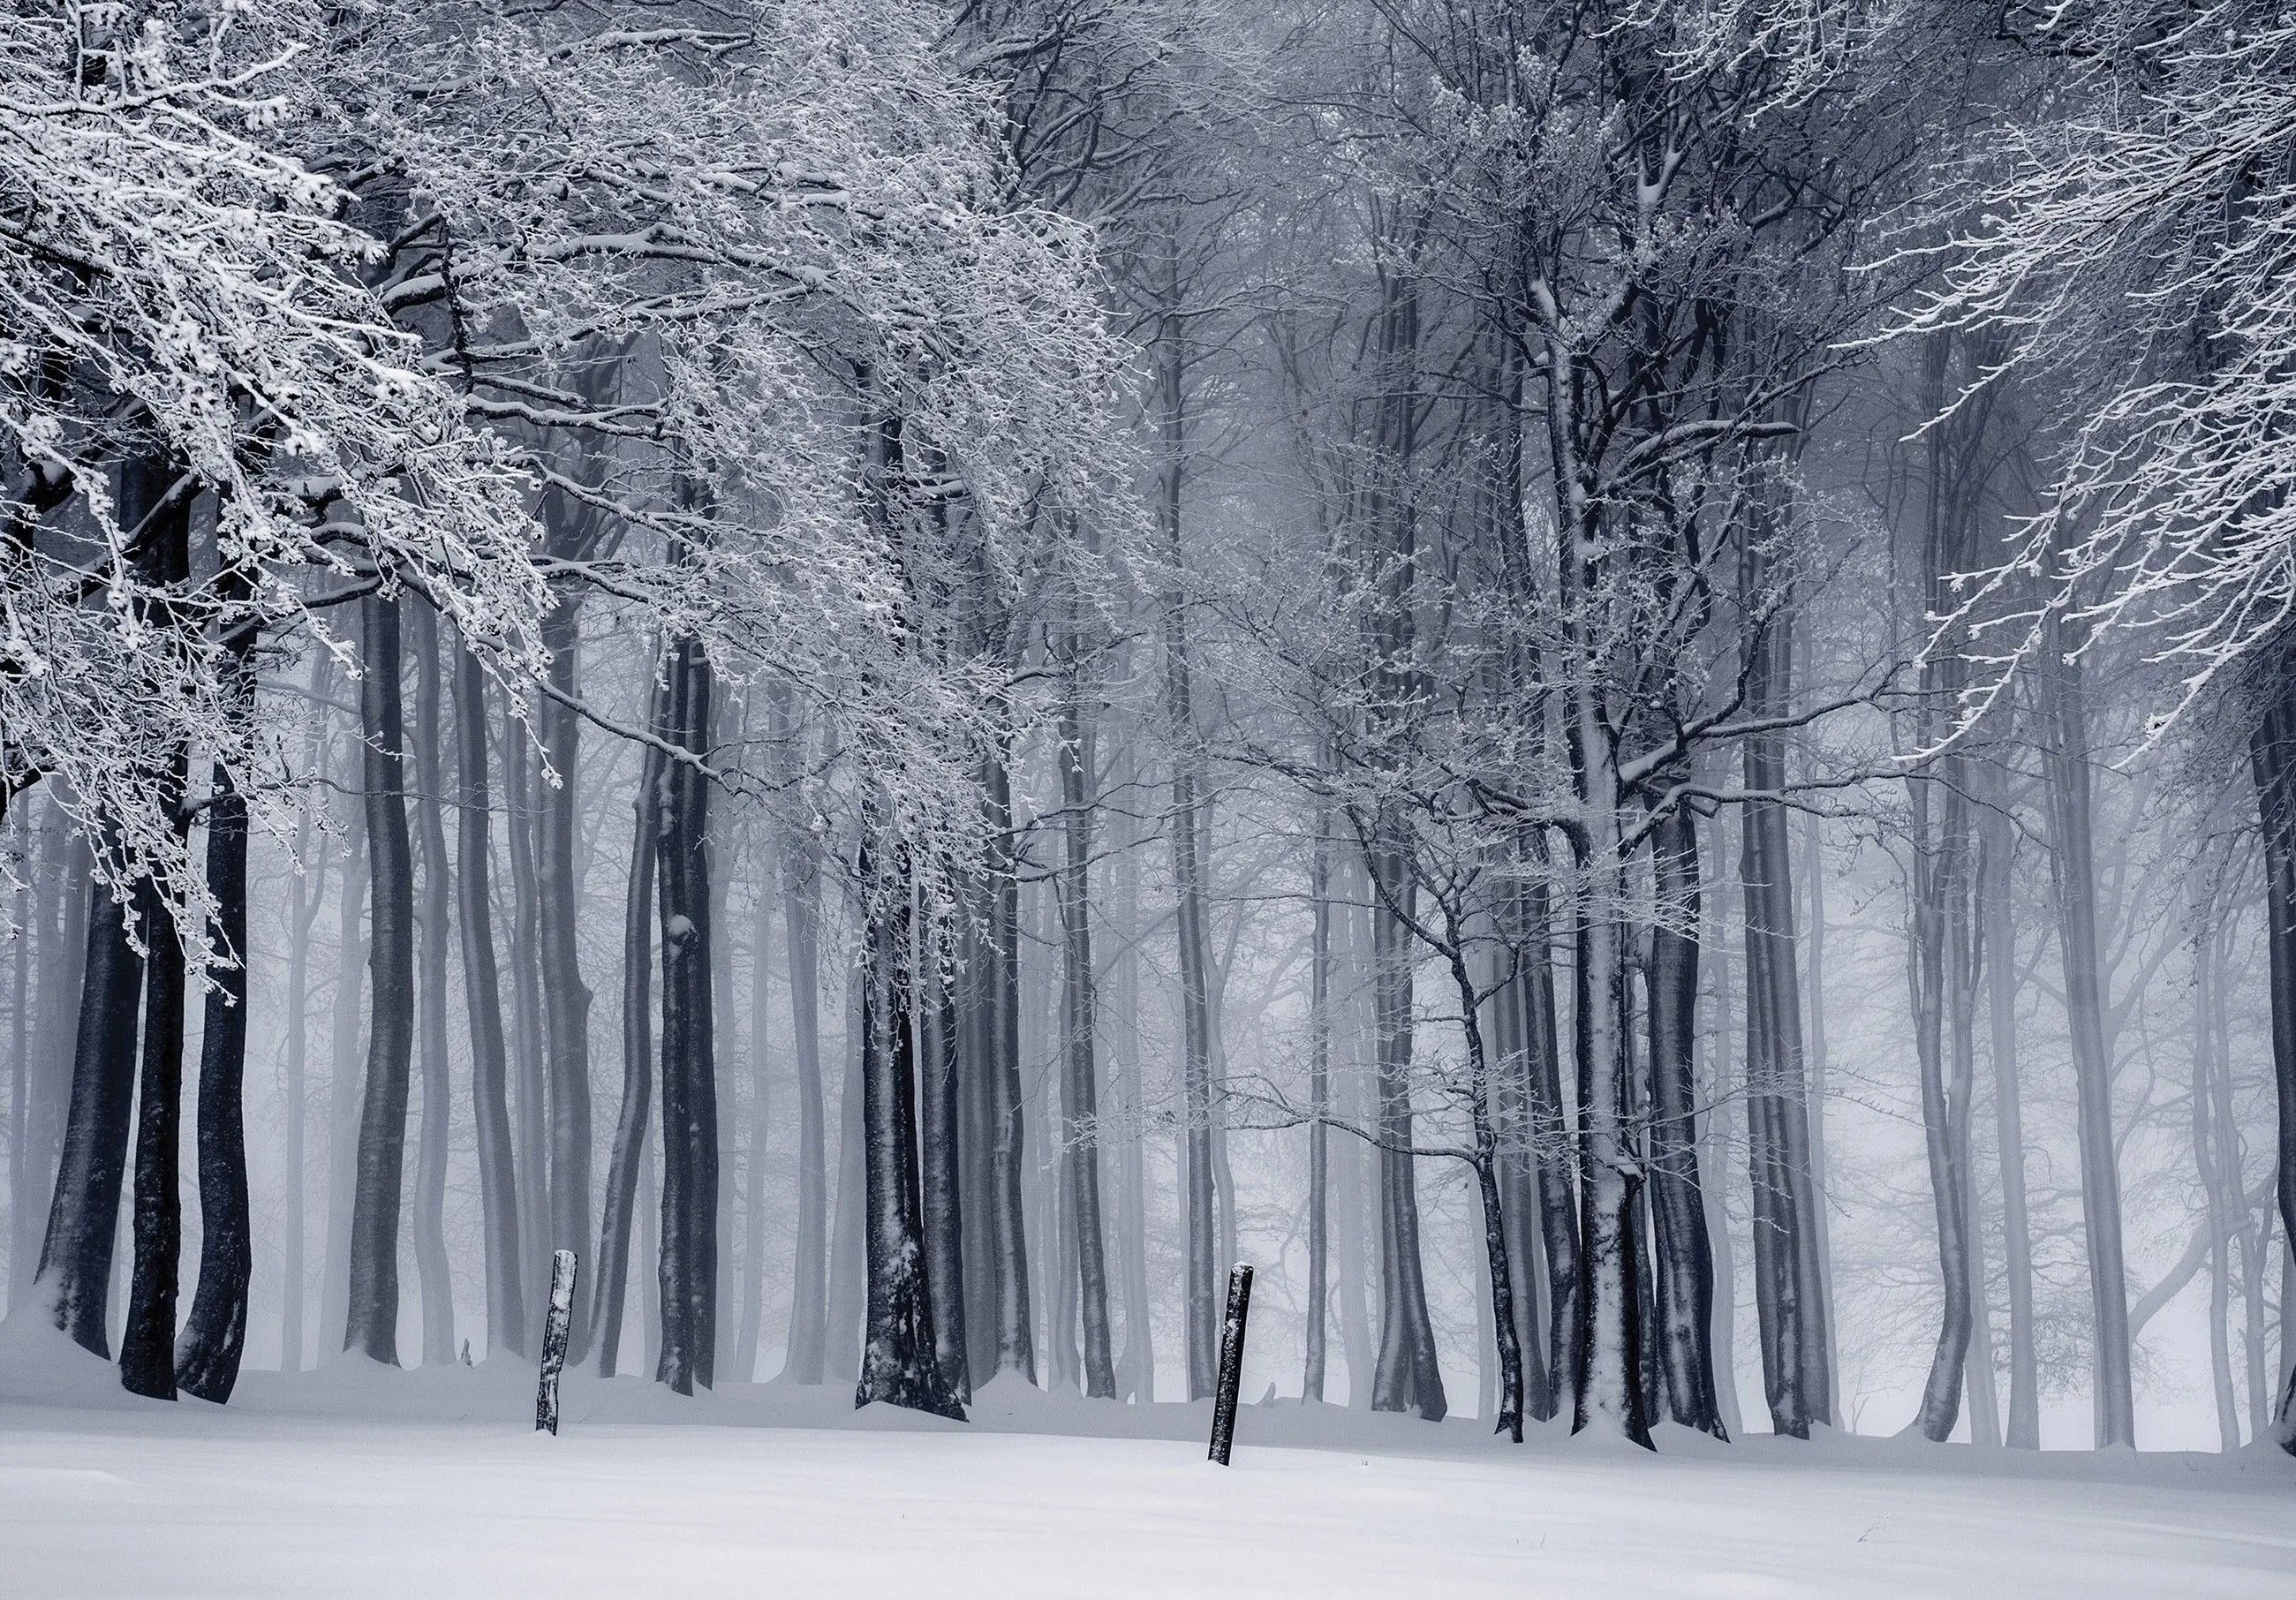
<point x="1683" y="1298"/>
<point x="498" y="1195"/>
<point x="372" y="1323"/>
<point x="609" y="1282"/>
<point x="207" y="1353"/>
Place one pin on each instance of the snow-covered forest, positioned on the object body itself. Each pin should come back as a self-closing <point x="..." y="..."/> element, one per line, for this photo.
<point x="1611" y="685"/>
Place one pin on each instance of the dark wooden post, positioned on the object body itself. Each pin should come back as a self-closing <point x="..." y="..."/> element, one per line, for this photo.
<point x="1231" y="1361"/>
<point x="553" y="1339"/>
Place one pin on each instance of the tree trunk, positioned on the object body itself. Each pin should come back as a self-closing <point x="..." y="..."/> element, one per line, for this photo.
<point x="753" y="1234"/>
<point x="434" y="951"/>
<point x="800" y="882"/>
<point x="343" y="1080"/>
<point x="2072" y="877"/>
<point x="610" y="1278"/>
<point x="498" y="1191"/>
<point x="207" y="1354"/>
<point x="1997" y="844"/>
<point x="530" y="1057"/>
<point x="899" y="1364"/>
<point x="1319" y="1102"/>
<point x="1683" y="1298"/>
<point x="2272" y="748"/>
<point x="1788" y="1280"/>
<point x="689" y="1089"/>
<point x="1080" y="1087"/>
<point x="305" y="891"/>
<point x="1407" y="1377"/>
<point x="940" y="1161"/>
<point x="565" y="997"/>
<point x="372" y="1327"/>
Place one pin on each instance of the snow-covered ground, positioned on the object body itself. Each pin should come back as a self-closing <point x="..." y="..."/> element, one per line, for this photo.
<point x="350" y="1481"/>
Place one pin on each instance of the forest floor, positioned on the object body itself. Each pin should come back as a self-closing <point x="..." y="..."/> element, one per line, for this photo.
<point x="357" y="1480"/>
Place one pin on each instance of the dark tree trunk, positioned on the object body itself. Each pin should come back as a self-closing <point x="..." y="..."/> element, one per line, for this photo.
<point x="1684" y="1290"/>
<point x="372" y="1325"/>
<point x="498" y="1195"/>
<point x="940" y="1165"/>
<point x="609" y="1283"/>
<point x="1016" y="1323"/>
<point x="207" y="1353"/>
<point x="689" y="1083"/>
<point x="147" y="1348"/>
<point x="76" y="1255"/>
<point x="899" y="1364"/>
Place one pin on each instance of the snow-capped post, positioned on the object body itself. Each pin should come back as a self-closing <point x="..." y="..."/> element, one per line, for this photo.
<point x="1231" y="1361"/>
<point x="553" y="1339"/>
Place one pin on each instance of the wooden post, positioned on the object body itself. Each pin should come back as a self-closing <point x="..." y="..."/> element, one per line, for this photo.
<point x="1231" y="1361"/>
<point x="553" y="1339"/>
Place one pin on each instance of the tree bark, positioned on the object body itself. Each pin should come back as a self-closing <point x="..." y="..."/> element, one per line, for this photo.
<point x="1684" y="1296"/>
<point x="689" y="1090"/>
<point x="2072" y="877"/>
<point x="498" y="1190"/>
<point x="2272" y="759"/>
<point x="207" y="1353"/>
<point x="372" y="1326"/>
<point x="1081" y="1086"/>
<point x="610" y="1276"/>
<point x="433" y="951"/>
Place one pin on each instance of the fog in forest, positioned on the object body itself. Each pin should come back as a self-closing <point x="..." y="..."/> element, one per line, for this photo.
<point x="1607" y="686"/>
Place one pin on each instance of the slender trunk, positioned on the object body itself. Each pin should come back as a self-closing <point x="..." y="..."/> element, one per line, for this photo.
<point x="1788" y="1284"/>
<point x="530" y="1057"/>
<point x="372" y="1327"/>
<point x="802" y="918"/>
<point x="847" y="1286"/>
<point x="433" y="953"/>
<point x="689" y="1088"/>
<point x="2272" y="749"/>
<point x="753" y="1236"/>
<point x="2072" y="877"/>
<point x="1997" y="843"/>
<point x="498" y="1195"/>
<point x="1081" y="1089"/>
<point x="1683" y="1298"/>
<point x="610" y="1278"/>
<point x="306" y="890"/>
<point x="1319" y="1100"/>
<point x="343" y="1080"/>
<point x="565" y="997"/>
<point x="941" y="1173"/>
<point x="1015" y="1324"/>
<point x="207" y="1354"/>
